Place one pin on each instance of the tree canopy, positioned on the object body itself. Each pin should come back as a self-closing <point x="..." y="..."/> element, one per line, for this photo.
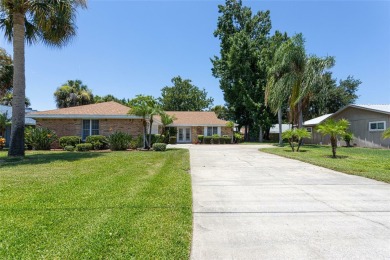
<point x="184" y="96"/>
<point x="6" y="72"/>
<point x="31" y="21"/>
<point x="73" y="93"/>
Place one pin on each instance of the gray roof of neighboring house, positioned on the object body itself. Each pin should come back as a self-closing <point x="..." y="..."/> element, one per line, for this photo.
<point x="8" y="110"/>
<point x="377" y="108"/>
<point x="317" y="120"/>
<point x="275" y="128"/>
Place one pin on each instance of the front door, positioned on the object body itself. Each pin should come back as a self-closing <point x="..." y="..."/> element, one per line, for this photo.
<point x="184" y="135"/>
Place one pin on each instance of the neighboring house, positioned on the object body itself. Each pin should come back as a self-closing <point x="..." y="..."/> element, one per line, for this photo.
<point x="8" y="109"/>
<point x="190" y="124"/>
<point x="367" y="123"/>
<point x="274" y="131"/>
<point x="109" y="117"/>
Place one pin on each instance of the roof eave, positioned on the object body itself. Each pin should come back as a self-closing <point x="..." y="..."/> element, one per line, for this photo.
<point x="46" y="116"/>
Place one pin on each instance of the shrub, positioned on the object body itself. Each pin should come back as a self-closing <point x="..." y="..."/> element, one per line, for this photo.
<point x="69" y="148"/>
<point x="227" y="140"/>
<point x="156" y="138"/>
<point x="136" y="142"/>
<point x="207" y="139"/>
<point x="119" y="141"/>
<point x="69" y="140"/>
<point x="98" y="142"/>
<point x="84" y="147"/>
<point x="172" y="140"/>
<point x="348" y="137"/>
<point x="238" y="137"/>
<point x="215" y="139"/>
<point x="200" y="138"/>
<point x="159" y="147"/>
<point x="39" y="138"/>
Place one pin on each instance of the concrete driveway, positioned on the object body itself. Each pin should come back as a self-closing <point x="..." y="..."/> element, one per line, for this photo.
<point x="252" y="205"/>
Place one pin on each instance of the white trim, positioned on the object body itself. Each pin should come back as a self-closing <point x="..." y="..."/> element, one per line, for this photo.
<point x="189" y="125"/>
<point x="184" y="135"/>
<point x="377" y="130"/>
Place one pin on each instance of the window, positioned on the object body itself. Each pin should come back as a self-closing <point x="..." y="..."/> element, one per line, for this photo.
<point x="212" y="130"/>
<point x="90" y="127"/>
<point x="377" y="126"/>
<point x="309" y="129"/>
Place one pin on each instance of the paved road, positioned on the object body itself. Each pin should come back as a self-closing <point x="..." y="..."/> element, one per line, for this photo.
<point x="252" y="205"/>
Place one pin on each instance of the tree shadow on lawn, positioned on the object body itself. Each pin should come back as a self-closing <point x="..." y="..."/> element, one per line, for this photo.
<point x="43" y="158"/>
<point x="337" y="156"/>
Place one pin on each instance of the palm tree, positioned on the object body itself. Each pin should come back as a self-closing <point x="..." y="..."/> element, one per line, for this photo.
<point x="73" y="93"/>
<point x="293" y="76"/>
<point x="53" y="23"/>
<point x="386" y="134"/>
<point x="144" y="106"/>
<point x="333" y="129"/>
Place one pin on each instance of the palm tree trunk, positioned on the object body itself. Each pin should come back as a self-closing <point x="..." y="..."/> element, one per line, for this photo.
<point x="300" y="114"/>
<point x="333" y="142"/>
<point x="19" y="88"/>
<point x="145" y="139"/>
<point x="150" y="131"/>
<point x="280" y="126"/>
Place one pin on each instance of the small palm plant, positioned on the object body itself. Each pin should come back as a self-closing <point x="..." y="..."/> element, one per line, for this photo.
<point x="334" y="129"/>
<point x="295" y="137"/>
<point x="386" y="134"/>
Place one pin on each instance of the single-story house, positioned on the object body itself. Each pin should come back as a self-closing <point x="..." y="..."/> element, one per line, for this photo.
<point x="109" y="117"/>
<point x="274" y="131"/>
<point x="7" y="133"/>
<point x="367" y="123"/>
<point x="190" y="124"/>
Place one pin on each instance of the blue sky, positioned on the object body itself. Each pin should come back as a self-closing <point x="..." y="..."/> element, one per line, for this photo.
<point x="126" y="48"/>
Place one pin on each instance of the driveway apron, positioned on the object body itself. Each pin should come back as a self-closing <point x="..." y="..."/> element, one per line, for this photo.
<point x="252" y="205"/>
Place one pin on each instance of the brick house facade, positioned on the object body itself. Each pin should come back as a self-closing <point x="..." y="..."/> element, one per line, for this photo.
<point x="109" y="117"/>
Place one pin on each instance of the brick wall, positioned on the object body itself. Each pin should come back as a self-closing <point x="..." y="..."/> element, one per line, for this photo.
<point x="226" y="131"/>
<point x="65" y="127"/>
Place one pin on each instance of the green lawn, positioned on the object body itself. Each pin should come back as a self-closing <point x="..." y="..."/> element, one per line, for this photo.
<point x="370" y="163"/>
<point x="117" y="205"/>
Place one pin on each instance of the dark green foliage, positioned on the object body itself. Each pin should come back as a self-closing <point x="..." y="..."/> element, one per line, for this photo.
<point x="156" y="138"/>
<point x="348" y="137"/>
<point x="207" y="139"/>
<point x="108" y="98"/>
<point x="6" y="72"/>
<point x="215" y="139"/>
<point x="172" y="140"/>
<point x="69" y="140"/>
<point x="184" y="96"/>
<point x="238" y="138"/>
<point x="119" y="141"/>
<point x="39" y="138"/>
<point x="160" y="147"/>
<point x="69" y="148"/>
<point x="200" y="138"/>
<point x="99" y="142"/>
<point x="136" y="142"/>
<point x="227" y="140"/>
<point x="84" y="147"/>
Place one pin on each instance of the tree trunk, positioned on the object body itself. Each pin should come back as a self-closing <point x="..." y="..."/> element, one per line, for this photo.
<point x="246" y="133"/>
<point x="19" y="88"/>
<point x="333" y="142"/>
<point x="280" y="126"/>
<point x="300" y="114"/>
<point x="260" y="134"/>
<point x="145" y="132"/>
<point x="150" y="131"/>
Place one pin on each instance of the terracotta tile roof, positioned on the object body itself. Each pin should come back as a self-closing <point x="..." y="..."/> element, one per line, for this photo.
<point x="195" y="118"/>
<point x="99" y="110"/>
